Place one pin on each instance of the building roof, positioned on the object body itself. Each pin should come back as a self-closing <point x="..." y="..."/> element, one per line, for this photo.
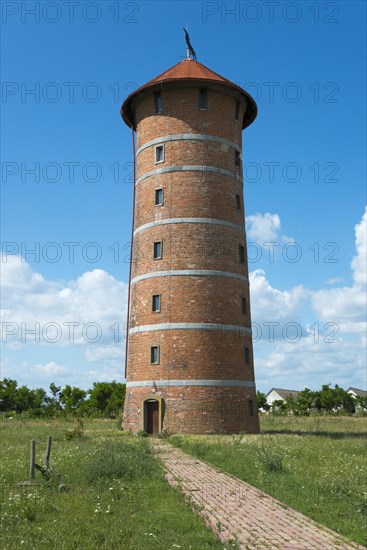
<point x="357" y="391"/>
<point x="284" y="393"/>
<point x="189" y="70"/>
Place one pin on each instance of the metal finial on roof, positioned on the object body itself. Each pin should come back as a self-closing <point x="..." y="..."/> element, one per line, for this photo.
<point x="190" y="49"/>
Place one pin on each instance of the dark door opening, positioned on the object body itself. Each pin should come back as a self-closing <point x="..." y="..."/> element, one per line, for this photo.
<point x="152" y="416"/>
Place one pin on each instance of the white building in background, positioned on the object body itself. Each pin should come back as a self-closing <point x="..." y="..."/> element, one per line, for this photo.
<point x="276" y="394"/>
<point x="355" y="392"/>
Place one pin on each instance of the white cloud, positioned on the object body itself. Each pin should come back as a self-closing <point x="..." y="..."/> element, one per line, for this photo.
<point x="97" y="297"/>
<point x="59" y="312"/>
<point x="42" y="374"/>
<point x="334" y="280"/>
<point x="264" y="228"/>
<point x="62" y="314"/>
<point x="347" y="305"/>
<point x="34" y="375"/>
<point x="17" y="275"/>
<point x="104" y="353"/>
<point x="311" y="362"/>
<point x="359" y="262"/>
<point x="50" y="369"/>
<point x="272" y="304"/>
<point x="314" y="357"/>
<point x="106" y="373"/>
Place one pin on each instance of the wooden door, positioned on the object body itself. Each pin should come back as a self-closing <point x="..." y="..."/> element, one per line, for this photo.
<point x="152" y="416"/>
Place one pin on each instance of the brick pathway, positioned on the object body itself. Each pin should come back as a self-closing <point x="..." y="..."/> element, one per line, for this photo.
<point x="236" y="510"/>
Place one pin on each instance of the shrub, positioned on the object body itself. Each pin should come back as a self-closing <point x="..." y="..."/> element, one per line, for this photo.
<point x="274" y="463"/>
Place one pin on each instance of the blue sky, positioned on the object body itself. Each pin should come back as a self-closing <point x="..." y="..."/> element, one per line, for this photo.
<point x="304" y="169"/>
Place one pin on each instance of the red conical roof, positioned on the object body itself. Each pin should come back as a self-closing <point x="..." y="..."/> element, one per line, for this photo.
<point x="188" y="69"/>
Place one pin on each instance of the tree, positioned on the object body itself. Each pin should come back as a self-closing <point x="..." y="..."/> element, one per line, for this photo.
<point x="305" y="401"/>
<point x="360" y="404"/>
<point x="278" y="406"/>
<point x="334" y="399"/>
<point x="53" y="404"/>
<point x="261" y="401"/>
<point x="56" y="391"/>
<point x="325" y="399"/>
<point x="291" y="405"/>
<point x="8" y="392"/>
<point x="72" y="398"/>
<point x="39" y="398"/>
<point x="107" y="397"/>
<point x="344" y="400"/>
<point x="27" y="399"/>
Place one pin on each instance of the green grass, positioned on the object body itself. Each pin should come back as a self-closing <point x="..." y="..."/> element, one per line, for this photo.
<point x="106" y="490"/>
<point x="315" y="465"/>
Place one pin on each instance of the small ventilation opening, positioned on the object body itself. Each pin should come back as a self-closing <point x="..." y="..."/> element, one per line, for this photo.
<point x="203" y="98"/>
<point x="158" y="201"/>
<point x="158" y="103"/>
<point x="154" y="355"/>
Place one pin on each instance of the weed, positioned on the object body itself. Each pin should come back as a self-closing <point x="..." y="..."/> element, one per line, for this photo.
<point x="30" y="513"/>
<point x="274" y="463"/>
<point x="362" y="505"/>
<point x="164" y="434"/>
<point x="233" y="544"/>
<point x="115" y="460"/>
<point x="77" y="432"/>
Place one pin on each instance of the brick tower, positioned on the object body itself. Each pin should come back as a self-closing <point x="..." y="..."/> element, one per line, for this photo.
<point x="189" y="354"/>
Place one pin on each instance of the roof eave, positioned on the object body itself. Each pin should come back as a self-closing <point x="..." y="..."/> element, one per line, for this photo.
<point x="250" y="115"/>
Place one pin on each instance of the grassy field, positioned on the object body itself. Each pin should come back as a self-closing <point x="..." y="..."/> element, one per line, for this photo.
<point x="106" y="491"/>
<point x="316" y="465"/>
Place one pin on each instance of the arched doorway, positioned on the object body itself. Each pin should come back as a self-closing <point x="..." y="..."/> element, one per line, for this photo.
<point x="152" y="415"/>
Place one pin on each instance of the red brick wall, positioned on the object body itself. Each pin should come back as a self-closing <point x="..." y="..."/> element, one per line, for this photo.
<point x="187" y="299"/>
<point x="189" y="246"/>
<point x="196" y="410"/>
<point x="191" y="354"/>
<point x="189" y="194"/>
<point x="181" y="114"/>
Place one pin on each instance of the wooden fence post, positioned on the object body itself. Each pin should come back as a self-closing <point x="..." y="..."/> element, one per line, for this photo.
<point x="33" y="459"/>
<point x="48" y="452"/>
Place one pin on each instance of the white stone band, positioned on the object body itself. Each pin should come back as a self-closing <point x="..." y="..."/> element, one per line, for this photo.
<point x="210" y="221"/>
<point x="195" y="168"/>
<point x="184" y="137"/>
<point x="189" y="273"/>
<point x="161" y="383"/>
<point x="190" y="326"/>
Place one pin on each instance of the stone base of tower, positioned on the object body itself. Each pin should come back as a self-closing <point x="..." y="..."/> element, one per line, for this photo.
<point x="191" y="410"/>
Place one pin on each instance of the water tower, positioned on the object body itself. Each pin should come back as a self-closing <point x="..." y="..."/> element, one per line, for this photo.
<point x="190" y="365"/>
